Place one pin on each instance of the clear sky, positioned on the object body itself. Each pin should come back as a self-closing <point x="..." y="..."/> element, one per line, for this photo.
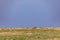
<point x="27" y="13"/>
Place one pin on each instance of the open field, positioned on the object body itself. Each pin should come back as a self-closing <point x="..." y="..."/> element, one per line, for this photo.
<point x="29" y="34"/>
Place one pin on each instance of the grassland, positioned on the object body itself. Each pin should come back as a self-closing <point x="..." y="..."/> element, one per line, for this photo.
<point x="29" y="34"/>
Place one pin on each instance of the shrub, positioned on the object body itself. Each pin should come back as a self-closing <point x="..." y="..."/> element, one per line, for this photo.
<point x="34" y="27"/>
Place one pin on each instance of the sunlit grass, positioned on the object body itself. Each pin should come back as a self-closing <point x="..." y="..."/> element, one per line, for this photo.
<point x="30" y="34"/>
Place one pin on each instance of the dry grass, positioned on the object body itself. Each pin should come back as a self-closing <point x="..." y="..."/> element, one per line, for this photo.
<point x="29" y="33"/>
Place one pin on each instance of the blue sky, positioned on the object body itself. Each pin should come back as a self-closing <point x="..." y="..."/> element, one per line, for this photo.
<point x="27" y="13"/>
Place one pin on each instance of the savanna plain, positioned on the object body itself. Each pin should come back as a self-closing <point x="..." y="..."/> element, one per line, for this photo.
<point x="29" y="33"/>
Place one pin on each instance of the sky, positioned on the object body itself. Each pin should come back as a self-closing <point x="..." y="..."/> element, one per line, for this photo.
<point x="28" y="13"/>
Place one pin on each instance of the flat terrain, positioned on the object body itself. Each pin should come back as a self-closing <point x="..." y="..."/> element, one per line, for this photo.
<point x="29" y="33"/>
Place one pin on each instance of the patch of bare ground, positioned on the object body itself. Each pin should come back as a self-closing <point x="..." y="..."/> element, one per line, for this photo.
<point x="57" y="28"/>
